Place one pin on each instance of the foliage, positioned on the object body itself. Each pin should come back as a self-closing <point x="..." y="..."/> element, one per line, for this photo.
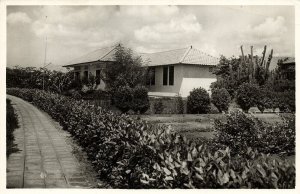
<point x="158" y="106"/>
<point x="240" y="132"/>
<point x="90" y="82"/>
<point x="140" y="101"/>
<point x="130" y="153"/>
<point x="135" y="99"/>
<point x="198" y="101"/>
<point x="11" y="125"/>
<point x="229" y="85"/>
<point x="221" y="99"/>
<point x="247" y="96"/>
<point x="123" y="98"/>
<point x="265" y="99"/>
<point x="127" y="70"/>
<point x="286" y="101"/>
<point x="31" y="77"/>
<point x="179" y="104"/>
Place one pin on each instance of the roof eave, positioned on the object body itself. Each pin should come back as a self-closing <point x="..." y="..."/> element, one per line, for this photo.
<point x="84" y="63"/>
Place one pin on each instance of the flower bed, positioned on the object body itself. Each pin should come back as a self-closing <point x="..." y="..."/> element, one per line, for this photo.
<point x="131" y="153"/>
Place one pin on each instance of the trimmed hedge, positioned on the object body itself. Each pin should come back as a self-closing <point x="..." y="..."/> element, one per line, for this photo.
<point x="130" y="153"/>
<point x="11" y="124"/>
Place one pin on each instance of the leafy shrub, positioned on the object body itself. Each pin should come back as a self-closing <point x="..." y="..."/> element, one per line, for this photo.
<point x="221" y="99"/>
<point x="130" y="153"/>
<point x="264" y="99"/>
<point x="136" y="99"/>
<point x="240" y="132"/>
<point x="285" y="134"/>
<point x="158" y="106"/>
<point x="286" y="101"/>
<point x="123" y="98"/>
<point x="247" y="96"/>
<point x="11" y="125"/>
<point x="198" y="101"/>
<point x="140" y="101"/>
<point x="179" y="104"/>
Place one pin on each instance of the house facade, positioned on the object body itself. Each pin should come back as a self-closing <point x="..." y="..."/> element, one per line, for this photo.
<point x="171" y="73"/>
<point x="177" y="72"/>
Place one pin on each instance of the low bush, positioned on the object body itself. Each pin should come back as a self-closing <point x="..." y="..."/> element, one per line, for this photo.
<point x="130" y="153"/>
<point x="240" y="132"/>
<point x="136" y="99"/>
<point x="198" y="102"/>
<point x="123" y="98"/>
<point x="247" y="96"/>
<point x="140" y="101"/>
<point x="264" y="100"/>
<point x="286" y="101"/>
<point x="179" y="104"/>
<point x="158" y="106"/>
<point x="221" y="99"/>
<point x="11" y="125"/>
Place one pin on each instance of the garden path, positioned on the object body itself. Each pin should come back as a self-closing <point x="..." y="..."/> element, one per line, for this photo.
<point x="44" y="159"/>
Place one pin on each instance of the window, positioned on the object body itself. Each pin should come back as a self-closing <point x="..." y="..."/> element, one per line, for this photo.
<point x="171" y="75"/>
<point x="151" y="76"/>
<point x="86" y="74"/>
<point x="165" y="75"/>
<point x="86" y="67"/>
<point x="76" y="68"/>
<point x="77" y="75"/>
<point x="168" y="75"/>
<point x="211" y="69"/>
<point x="98" y="76"/>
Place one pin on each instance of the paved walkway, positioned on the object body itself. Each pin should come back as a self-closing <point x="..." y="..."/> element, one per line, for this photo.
<point x="45" y="160"/>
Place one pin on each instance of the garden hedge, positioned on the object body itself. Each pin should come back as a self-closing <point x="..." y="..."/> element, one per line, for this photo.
<point x="130" y="153"/>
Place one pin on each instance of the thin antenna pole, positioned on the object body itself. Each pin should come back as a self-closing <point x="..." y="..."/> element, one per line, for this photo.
<point x="45" y="57"/>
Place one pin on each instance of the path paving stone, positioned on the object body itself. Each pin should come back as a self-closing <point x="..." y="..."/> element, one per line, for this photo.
<point x="44" y="159"/>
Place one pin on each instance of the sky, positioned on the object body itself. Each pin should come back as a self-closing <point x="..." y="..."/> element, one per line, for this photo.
<point x="73" y="31"/>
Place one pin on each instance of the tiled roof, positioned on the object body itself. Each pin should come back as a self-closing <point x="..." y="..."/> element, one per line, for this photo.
<point x="186" y="56"/>
<point x="103" y="54"/>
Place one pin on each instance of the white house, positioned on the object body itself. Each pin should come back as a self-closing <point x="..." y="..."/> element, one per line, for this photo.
<point x="174" y="72"/>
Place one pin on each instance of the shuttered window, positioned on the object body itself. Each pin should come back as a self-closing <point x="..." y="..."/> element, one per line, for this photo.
<point x="98" y="76"/>
<point x="165" y="75"/>
<point x="171" y="75"/>
<point x="168" y="75"/>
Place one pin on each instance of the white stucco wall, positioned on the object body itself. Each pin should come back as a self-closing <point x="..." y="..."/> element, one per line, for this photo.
<point x="186" y="78"/>
<point x="188" y="84"/>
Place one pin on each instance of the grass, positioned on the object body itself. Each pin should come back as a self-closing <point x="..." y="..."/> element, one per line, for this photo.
<point x="11" y="125"/>
<point x="200" y="126"/>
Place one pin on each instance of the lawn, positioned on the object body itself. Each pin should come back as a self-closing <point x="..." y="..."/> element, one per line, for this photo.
<point x="199" y="126"/>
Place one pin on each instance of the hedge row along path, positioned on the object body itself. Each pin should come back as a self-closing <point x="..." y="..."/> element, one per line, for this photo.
<point x="44" y="159"/>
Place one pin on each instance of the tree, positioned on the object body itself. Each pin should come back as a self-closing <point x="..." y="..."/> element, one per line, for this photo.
<point x="247" y="96"/>
<point x="126" y="70"/>
<point x="221" y="99"/>
<point x="264" y="99"/>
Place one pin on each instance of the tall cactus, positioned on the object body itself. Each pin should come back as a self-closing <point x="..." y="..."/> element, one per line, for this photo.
<point x="258" y="69"/>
